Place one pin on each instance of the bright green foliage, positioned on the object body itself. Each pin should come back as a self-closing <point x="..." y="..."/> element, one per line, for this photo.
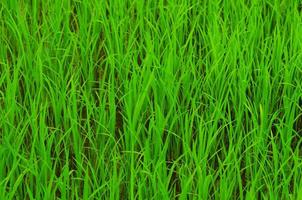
<point x="145" y="99"/>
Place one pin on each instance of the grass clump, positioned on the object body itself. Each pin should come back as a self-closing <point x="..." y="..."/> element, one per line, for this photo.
<point x="150" y="99"/>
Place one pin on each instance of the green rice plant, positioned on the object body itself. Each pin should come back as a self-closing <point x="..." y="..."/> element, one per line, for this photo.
<point x="167" y="99"/>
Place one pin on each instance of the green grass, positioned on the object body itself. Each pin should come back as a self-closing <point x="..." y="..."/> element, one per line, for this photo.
<point x="167" y="99"/>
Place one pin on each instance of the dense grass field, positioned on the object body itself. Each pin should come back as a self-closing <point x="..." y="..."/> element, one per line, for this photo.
<point x="145" y="99"/>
